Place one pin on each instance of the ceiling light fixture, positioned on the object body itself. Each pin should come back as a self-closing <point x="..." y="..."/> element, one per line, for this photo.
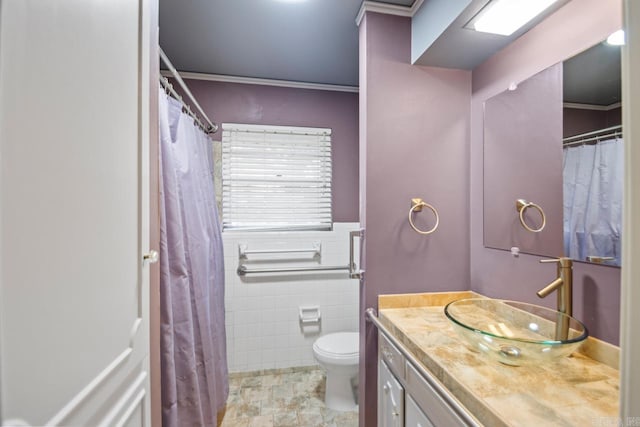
<point x="616" y="39"/>
<point x="504" y="17"/>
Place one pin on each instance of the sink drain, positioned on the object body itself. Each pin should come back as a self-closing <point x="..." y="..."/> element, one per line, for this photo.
<point x="510" y="351"/>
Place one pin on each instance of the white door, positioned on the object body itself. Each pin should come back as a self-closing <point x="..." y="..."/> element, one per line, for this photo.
<point x="630" y="315"/>
<point x="74" y="212"/>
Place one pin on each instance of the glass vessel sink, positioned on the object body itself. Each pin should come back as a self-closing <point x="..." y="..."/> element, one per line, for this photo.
<point x="515" y="333"/>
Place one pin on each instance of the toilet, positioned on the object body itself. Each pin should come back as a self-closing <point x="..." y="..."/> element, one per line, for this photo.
<point x="338" y="354"/>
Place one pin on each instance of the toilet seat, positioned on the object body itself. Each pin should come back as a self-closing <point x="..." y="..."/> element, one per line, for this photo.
<point x="338" y="346"/>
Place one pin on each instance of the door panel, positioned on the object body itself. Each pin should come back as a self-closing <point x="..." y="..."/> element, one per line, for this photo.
<point x="390" y="398"/>
<point x="74" y="203"/>
<point x="414" y="417"/>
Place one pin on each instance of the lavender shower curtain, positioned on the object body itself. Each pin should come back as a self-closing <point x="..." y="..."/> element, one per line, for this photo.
<point x="193" y="342"/>
<point x="593" y="177"/>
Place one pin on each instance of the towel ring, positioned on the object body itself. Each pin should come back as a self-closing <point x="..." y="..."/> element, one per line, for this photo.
<point x="521" y="206"/>
<point x="416" y="206"/>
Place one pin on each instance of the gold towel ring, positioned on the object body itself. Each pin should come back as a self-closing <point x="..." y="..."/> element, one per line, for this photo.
<point x="521" y="207"/>
<point x="416" y="206"/>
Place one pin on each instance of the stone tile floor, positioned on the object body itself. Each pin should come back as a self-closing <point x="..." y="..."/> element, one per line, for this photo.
<point x="283" y="398"/>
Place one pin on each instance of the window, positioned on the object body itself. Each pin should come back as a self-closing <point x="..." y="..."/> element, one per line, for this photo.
<point x="276" y="178"/>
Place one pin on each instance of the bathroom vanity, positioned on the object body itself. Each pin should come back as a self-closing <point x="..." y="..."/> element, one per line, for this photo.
<point x="404" y="395"/>
<point x="427" y="376"/>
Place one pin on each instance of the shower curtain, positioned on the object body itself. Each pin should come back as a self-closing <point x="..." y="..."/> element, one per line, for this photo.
<point x="193" y="342"/>
<point x="593" y="179"/>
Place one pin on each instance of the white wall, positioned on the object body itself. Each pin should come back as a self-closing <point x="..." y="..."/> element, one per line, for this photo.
<point x="263" y="329"/>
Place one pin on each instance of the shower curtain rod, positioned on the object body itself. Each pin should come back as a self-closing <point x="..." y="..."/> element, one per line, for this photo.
<point x="211" y="127"/>
<point x="592" y="136"/>
<point x="594" y="140"/>
<point x="168" y="87"/>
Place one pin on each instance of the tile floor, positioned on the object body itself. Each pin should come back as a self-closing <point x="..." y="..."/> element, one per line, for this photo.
<point x="282" y="398"/>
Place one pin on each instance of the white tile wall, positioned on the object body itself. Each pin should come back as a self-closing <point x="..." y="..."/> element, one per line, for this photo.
<point x="263" y="329"/>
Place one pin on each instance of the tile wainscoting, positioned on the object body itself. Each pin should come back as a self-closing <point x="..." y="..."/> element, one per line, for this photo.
<point x="262" y="310"/>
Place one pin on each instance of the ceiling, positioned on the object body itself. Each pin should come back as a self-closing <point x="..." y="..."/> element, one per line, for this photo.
<point x="593" y="77"/>
<point x="313" y="41"/>
<point x="316" y="41"/>
<point x="472" y="47"/>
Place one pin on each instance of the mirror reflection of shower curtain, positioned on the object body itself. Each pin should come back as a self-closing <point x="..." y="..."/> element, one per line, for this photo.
<point x="193" y="339"/>
<point x="593" y="179"/>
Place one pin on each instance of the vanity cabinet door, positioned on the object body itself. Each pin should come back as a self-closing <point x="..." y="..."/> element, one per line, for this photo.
<point x="390" y="398"/>
<point x="428" y="399"/>
<point x="413" y="416"/>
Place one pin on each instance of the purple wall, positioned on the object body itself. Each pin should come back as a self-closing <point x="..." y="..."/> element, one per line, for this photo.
<point x="523" y="160"/>
<point x="577" y="121"/>
<point x="271" y="105"/>
<point x="414" y="139"/>
<point x="573" y="28"/>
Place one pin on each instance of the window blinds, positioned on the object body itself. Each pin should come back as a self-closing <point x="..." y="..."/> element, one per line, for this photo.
<point x="276" y="178"/>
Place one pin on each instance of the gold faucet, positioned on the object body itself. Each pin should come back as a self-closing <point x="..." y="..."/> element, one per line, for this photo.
<point x="564" y="285"/>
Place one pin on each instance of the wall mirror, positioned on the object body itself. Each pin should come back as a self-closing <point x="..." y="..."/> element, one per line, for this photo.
<point x="553" y="161"/>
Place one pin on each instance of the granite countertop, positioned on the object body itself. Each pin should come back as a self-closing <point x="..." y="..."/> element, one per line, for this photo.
<point x="581" y="390"/>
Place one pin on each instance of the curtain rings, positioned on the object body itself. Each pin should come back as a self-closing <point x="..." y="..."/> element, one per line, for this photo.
<point x="416" y="206"/>
<point x="521" y="206"/>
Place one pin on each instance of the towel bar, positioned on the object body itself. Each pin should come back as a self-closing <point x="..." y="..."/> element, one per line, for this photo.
<point x="243" y="270"/>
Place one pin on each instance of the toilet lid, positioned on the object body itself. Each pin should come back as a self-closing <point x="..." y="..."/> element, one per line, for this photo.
<point x="340" y="344"/>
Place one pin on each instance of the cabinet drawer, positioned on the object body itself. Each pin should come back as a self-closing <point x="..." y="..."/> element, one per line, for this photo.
<point x="434" y="407"/>
<point x="391" y="355"/>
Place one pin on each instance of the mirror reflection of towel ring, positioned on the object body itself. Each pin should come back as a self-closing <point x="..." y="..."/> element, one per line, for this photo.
<point x="521" y="207"/>
<point x="416" y="206"/>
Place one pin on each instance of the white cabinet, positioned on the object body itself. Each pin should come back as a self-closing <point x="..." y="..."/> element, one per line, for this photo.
<point x="407" y="398"/>
<point x="413" y="415"/>
<point x="432" y="404"/>
<point x="391" y="356"/>
<point x="390" y="398"/>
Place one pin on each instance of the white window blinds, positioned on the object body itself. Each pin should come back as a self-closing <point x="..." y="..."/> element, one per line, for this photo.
<point x="276" y="178"/>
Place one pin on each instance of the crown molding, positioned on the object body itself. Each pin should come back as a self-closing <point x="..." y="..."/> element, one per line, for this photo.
<point x="592" y="106"/>
<point x="386" y="8"/>
<point x="262" y="82"/>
